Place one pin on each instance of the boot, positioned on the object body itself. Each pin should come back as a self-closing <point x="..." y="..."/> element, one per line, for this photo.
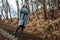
<point x="22" y="34"/>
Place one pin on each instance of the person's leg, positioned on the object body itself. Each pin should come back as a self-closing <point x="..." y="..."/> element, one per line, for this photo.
<point x="22" y="31"/>
<point x="16" y="30"/>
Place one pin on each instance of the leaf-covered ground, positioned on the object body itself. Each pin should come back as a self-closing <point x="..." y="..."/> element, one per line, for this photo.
<point x="37" y="28"/>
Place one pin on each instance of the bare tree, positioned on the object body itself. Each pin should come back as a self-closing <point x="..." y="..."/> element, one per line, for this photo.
<point x="44" y="7"/>
<point x="5" y="7"/>
<point x="2" y="13"/>
<point x="32" y="5"/>
<point x="52" y="9"/>
<point x="22" y="2"/>
<point x="10" y="13"/>
<point x="59" y="3"/>
<point x="17" y="8"/>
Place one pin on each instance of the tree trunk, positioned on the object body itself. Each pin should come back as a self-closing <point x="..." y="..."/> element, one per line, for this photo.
<point x="59" y="3"/>
<point x="2" y="13"/>
<point x="17" y="8"/>
<point x="37" y="5"/>
<point x="22" y="2"/>
<point x="10" y="13"/>
<point x="52" y="10"/>
<point x="44" y="7"/>
<point x="5" y="7"/>
<point x="32" y="5"/>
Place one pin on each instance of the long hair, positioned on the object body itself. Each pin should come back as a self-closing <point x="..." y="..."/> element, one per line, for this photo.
<point x="25" y="5"/>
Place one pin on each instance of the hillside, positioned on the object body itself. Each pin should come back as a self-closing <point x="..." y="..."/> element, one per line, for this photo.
<point x="37" y="28"/>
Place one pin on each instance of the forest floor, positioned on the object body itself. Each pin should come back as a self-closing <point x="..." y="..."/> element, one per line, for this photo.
<point x="37" y="29"/>
<point x="10" y="29"/>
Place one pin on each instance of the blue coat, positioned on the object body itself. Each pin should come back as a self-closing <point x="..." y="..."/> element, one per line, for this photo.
<point x="23" y="17"/>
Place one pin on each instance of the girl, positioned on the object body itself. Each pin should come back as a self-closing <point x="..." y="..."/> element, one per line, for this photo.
<point x="23" y="19"/>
